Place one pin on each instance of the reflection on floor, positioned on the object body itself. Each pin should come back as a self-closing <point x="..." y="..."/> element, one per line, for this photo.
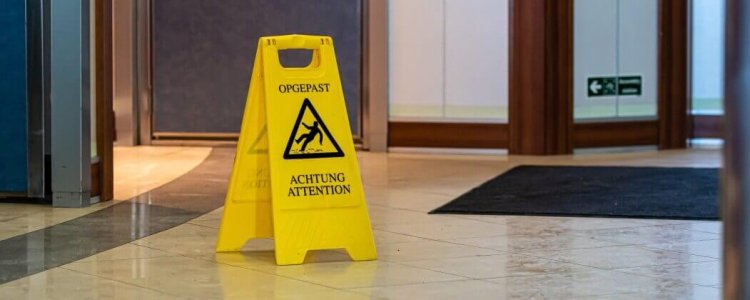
<point x="140" y="169"/>
<point x="136" y="170"/>
<point x="190" y="196"/>
<point x="421" y="256"/>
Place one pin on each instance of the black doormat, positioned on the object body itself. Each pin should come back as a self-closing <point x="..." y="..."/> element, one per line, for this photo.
<point x="627" y="192"/>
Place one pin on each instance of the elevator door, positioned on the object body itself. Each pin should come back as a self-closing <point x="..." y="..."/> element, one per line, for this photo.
<point x="13" y="116"/>
<point x="203" y="54"/>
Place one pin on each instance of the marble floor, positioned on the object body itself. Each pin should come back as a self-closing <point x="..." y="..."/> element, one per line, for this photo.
<point x="421" y="256"/>
<point x="136" y="171"/>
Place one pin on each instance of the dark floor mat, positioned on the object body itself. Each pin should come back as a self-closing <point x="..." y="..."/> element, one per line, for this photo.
<point x="630" y="192"/>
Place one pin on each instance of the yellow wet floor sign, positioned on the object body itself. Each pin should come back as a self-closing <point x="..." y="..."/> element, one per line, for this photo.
<point x="295" y="175"/>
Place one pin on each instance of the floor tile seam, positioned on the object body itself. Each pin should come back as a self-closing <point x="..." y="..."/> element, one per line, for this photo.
<point x="510" y="276"/>
<point x="186" y="223"/>
<point x="638" y="266"/>
<point x="605" y="296"/>
<point x="294" y="279"/>
<point x="594" y="268"/>
<point x="195" y="224"/>
<point x="259" y="270"/>
<point x="555" y="250"/>
<point x="173" y="254"/>
<point x="411" y="284"/>
<point x="462" y="278"/>
<point x="424" y="238"/>
<point x="677" y="251"/>
<point x="608" y="269"/>
<point x="262" y="270"/>
<point x="18" y="217"/>
<point x="117" y="280"/>
<point x="613" y="240"/>
<point x="405" y="263"/>
<point x="206" y="220"/>
<point x="404" y="209"/>
<point x="409" y="235"/>
<point x="719" y="234"/>
<point x="686" y="282"/>
<point x="637" y="290"/>
<point x="677" y="281"/>
<point x="570" y="232"/>
<point x="673" y="264"/>
<point x="135" y="259"/>
<point x="399" y="208"/>
<point x="386" y="259"/>
<point x="269" y="272"/>
<point x="589" y="296"/>
<point x="499" y="252"/>
<point x="214" y="261"/>
<point x="89" y="260"/>
<point x="511" y="251"/>
<point x="642" y="225"/>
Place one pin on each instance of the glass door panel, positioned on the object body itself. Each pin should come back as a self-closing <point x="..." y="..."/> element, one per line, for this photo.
<point x="707" y="57"/>
<point x="615" y="59"/>
<point x="449" y="61"/>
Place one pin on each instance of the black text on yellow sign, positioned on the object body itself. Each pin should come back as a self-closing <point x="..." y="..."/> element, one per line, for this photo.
<point x="295" y="177"/>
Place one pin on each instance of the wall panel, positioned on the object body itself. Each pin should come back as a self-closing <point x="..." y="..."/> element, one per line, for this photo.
<point x="203" y="53"/>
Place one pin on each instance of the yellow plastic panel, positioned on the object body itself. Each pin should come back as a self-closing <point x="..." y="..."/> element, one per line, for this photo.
<point x="316" y="192"/>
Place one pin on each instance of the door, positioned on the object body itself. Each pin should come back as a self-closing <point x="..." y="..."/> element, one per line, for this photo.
<point x="13" y="132"/>
<point x="630" y="73"/>
<point x="203" y="51"/>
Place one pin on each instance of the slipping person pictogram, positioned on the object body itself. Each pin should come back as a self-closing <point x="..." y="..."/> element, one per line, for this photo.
<point x="310" y="136"/>
<point x="301" y="142"/>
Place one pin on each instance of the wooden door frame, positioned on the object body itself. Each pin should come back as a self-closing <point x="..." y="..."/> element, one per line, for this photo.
<point x="102" y="181"/>
<point x="541" y="91"/>
<point x="673" y="74"/>
<point x="541" y="77"/>
<point x="541" y="120"/>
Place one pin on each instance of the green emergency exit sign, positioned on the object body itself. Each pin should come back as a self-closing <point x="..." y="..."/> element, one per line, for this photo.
<point x="615" y="86"/>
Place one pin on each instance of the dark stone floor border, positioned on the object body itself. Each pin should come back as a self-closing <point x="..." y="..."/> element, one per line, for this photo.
<point x="194" y="194"/>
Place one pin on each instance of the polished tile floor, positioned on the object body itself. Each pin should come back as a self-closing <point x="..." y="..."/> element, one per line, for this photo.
<point x="421" y="256"/>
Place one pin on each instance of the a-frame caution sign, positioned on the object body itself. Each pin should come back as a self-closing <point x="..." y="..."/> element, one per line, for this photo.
<point x="305" y="191"/>
<point x="313" y="140"/>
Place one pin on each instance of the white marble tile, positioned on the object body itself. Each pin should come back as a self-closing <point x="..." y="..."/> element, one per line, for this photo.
<point x="594" y="284"/>
<point x="467" y="289"/>
<point x="500" y="265"/>
<point x="187" y="239"/>
<point x="199" y="279"/>
<point x="446" y="229"/>
<point x="428" y="250"/>
<point x="348" y="275"/>
<point x="421" y="256"/>
<point x="675" y="233"/>
<point x="384" y="237"/>
<point x="61" y="283"/>
<point x="706" y="226"/>
<point x="700" y="273"/>
<point x="618" y="257"/>
<point x="690" y="292"/>
<point x="523" y="243"/>
<point x="709" y="248"/>
<point x="143" y="168"/>
<point x="127" y="252"/>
